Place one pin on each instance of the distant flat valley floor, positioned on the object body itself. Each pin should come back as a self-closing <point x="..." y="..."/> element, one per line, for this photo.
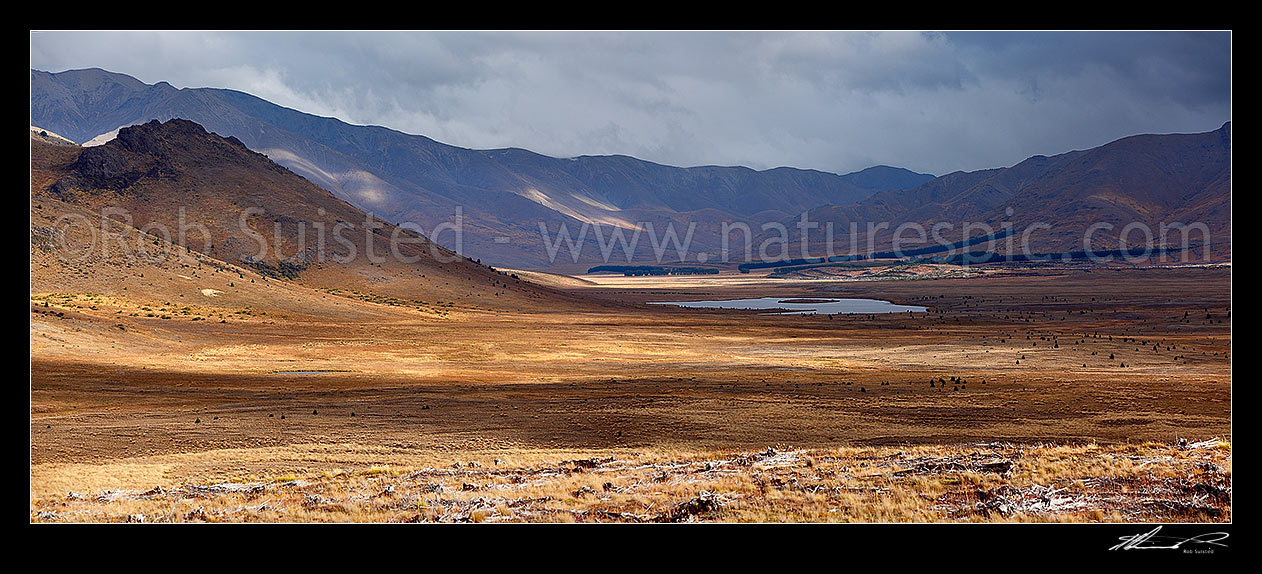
<point x="1108" y="356"/>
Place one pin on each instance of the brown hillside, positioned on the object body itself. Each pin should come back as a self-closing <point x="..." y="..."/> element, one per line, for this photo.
<point x="238" y="207"/>
<point x="1146" y="179"/>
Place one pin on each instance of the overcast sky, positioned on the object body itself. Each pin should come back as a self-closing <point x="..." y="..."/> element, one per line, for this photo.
<point x="834" y="101"/>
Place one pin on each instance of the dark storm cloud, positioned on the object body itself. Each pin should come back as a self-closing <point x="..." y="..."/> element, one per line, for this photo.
<point x="834" y="101"/>
<point x="1192" y="69"/>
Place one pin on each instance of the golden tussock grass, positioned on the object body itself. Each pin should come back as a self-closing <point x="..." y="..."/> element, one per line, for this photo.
<point x="960" y="483"/>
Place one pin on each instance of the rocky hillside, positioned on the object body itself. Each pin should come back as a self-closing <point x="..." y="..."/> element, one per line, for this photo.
<point x="239" y="207"/>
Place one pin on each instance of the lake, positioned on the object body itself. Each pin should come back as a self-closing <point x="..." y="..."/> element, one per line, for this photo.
<point x="801" y="305"/>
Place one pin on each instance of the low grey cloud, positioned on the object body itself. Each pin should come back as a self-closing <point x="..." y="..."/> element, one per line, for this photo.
<point x="835" y="101"/>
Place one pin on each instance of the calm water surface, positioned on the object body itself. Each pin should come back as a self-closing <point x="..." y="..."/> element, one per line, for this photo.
<point x="819" y="305"/>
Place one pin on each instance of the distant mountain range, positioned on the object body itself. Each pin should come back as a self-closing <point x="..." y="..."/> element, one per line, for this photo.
<point x="504" y="195"/>
<point x="1147" y="180"/>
